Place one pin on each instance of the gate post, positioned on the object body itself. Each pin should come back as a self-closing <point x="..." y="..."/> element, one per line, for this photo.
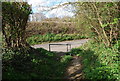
<point x="49" y="47"/>
<point x="67" y="47"/>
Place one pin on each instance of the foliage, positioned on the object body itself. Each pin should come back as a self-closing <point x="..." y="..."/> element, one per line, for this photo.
<point x="66" y="58"/>
<point x="57" y="26"/>
<point x="44" y="27"/>
<point x="50" y="37"/>
<point x="14" y="19"/>
<point x="100" y="59"/>
<point x="99" y="62"/>
<point x="33" y="64"/>
<point x="101" y="18"/>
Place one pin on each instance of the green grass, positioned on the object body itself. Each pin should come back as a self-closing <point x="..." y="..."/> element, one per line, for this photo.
<point x="43" y="65"/>
<point x="38" y="39"/>
<point x="99" y="62"/>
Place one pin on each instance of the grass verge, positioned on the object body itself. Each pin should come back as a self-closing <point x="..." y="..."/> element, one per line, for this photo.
<point x="50" y="37"/>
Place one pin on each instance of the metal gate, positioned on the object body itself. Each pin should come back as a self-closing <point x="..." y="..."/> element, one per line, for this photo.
<point x="68" y="45"/>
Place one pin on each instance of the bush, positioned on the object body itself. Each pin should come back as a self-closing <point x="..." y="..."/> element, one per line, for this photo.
<point x="34" y="28"/>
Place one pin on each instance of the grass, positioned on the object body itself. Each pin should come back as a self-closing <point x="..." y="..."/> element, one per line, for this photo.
<point x="29" y="66"/>
<point x="99" y="63"/>
<point x="50" y="37"/>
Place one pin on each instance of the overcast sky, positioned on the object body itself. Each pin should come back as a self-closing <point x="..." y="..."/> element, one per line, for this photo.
<point x="41" y="5"/>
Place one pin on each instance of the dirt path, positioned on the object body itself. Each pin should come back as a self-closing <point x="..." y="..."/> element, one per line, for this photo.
<point x="62" y="48"/>
<point x="74" y="69"/>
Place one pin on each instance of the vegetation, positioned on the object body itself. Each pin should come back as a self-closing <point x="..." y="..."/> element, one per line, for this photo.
<point x="101" y="18"/>
<point x="99" y="62"/>
<point x="100" y="57"/>
<point x="14" y="17"/>
<point x="56" y="26"/>
<point x="50" y="37"/>
<point x="36" y="64"/>
<point x="44" y="27"/>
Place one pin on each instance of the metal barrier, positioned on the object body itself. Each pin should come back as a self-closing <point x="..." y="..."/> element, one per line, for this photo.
<point x="60" y="44"/>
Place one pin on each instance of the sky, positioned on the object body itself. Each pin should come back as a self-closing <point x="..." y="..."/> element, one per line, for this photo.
<point x="42" y="6"/>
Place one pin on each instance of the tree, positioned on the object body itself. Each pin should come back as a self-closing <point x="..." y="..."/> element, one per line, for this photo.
<point x="102" y="18"/>
<point x="14" y="19"/>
